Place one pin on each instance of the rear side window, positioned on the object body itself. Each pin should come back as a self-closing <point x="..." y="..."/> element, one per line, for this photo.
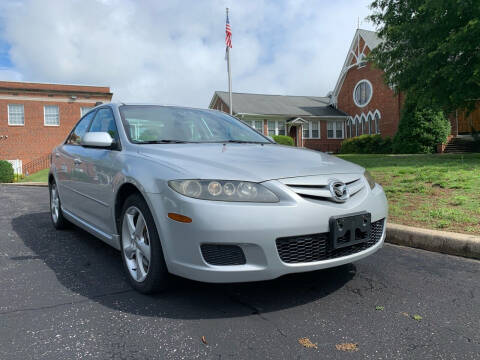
<point x="76" y="136"/>
<point x="105" y="122"/>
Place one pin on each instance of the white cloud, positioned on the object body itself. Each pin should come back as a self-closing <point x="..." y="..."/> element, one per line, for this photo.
<point x="173" y="51"/>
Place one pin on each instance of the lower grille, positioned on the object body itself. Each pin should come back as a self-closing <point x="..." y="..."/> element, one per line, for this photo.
<point x="223" y="254"/>
<point x="316" y="247"/>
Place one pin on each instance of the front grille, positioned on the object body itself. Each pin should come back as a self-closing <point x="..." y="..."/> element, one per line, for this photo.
<point x="322" y="192"/>
<point x="223" y="254"/>
<point x="317" y="247"/>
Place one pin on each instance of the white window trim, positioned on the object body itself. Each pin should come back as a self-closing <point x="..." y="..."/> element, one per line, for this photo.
<point x="81" y="107"/>
<point x="355" y="89"/>
<point x="44" y="118"/>
<point x="335" y="122"/>
<point x="8" y="114"/>
<point x="276" y="127"/>
<point x="251" y="123"/>
<point x="310" y="128"/>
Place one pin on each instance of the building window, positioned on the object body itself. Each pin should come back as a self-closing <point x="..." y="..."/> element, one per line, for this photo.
<point x="84" y="110"/>
<point x="311" y="129"/>
<point x="377" y="123"/>
<point x="256" y="124"/>
<point x="276" y="127"/>
<point x="16" y="115"/>
<point x="51" y="115"/>
<point x="335" y="129"/>
<point x="362" y="94"/>
<point x="349" y="128"/>
<point x="306" y="130"/>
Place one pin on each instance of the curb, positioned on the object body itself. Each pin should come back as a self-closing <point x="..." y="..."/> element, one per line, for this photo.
<point x="26" y="184"/>
<point x="433" y="240"/>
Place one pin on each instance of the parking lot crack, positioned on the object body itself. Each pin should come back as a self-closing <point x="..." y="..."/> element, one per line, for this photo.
<point x="255" y="311"/>
<point x="53" y="306"/>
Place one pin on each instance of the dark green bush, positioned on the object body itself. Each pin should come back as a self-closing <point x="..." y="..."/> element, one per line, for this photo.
<point x="420" y="130"/>
<point x="283" y="140"/>
<point x="6" y="172"/>
<point x="367" y="144"/>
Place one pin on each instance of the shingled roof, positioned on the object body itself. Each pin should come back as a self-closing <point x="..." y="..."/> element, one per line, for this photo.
<point x="285" y="105"/>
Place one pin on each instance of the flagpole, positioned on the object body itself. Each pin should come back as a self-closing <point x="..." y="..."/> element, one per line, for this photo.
<point x="229" y="78"/>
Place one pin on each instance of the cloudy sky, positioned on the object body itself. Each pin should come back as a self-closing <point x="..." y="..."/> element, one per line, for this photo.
<point x="173" y="52"/>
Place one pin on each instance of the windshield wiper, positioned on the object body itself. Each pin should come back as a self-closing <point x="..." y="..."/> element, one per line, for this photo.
<point x="244" y="142"/>
<point x="164" y="142"/>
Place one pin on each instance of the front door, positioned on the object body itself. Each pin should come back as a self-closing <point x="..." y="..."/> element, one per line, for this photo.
<point x="93" y="175"/>
<point x="293" y="134"/>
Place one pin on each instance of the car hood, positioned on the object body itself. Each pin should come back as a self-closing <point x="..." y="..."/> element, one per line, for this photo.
<point x="248" y="162"/>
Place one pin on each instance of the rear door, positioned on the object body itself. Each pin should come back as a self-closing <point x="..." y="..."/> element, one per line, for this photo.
<point x="93" y="175"/>
<point x="64" y="158"/>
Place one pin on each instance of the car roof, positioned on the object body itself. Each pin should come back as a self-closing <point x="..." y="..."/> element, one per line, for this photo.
<point x="118" y="104"/>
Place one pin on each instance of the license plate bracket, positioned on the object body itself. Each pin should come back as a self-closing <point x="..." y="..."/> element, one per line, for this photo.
<point x="351" y="229"/>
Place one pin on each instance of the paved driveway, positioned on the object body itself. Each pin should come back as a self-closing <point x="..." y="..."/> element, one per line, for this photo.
<point x="63" y="295"/>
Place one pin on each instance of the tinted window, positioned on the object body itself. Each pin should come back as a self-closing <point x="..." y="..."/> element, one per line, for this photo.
<point x="105" y="122"/>
<point x="146" y="123"/>
<point x="75" y="137"/>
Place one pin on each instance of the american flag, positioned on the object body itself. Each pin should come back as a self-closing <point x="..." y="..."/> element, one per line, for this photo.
<point x="228" y="33"/>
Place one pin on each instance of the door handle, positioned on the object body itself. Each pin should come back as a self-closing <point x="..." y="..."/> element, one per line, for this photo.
<point x="77" y="161"/>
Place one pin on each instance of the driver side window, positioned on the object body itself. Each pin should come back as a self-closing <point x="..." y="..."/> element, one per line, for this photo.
<point x="105" y="122"/>
<point x="79" y="131"/>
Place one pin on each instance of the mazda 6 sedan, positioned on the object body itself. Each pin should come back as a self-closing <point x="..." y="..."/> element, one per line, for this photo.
<point x="199" y="194"/>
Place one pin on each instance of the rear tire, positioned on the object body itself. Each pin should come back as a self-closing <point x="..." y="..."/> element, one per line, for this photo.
<point x="56" y="214"/>
<point x="142" y="253"/>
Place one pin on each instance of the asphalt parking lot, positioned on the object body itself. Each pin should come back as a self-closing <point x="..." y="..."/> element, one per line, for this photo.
<point x="63" y="295"/>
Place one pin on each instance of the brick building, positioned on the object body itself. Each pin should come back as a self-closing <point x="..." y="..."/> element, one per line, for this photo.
<point x="372" y="106"/>
<point x="36" y="117"/>
<point x="310" y="120"/>
<point x="364" y="104"/>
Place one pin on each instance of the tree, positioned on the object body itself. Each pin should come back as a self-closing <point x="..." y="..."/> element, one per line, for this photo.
<point x="431" y="50"/>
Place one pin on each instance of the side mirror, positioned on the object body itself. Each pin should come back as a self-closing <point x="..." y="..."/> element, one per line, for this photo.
<point x="97" y="139"/>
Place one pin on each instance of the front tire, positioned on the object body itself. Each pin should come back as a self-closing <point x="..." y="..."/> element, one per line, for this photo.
<point x="142" y="253"/>
<point x="56" y="214"/>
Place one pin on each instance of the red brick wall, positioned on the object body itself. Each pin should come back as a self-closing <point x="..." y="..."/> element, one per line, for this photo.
<point x="34" y="140"/>
<point x="323" y="144"/>
<point x="38" y="87"/>
<point x="383" y="98"/>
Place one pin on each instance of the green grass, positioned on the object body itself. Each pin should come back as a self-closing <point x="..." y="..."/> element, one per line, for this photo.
<point x="430" y="191"/>
<point x="40" y="176"/>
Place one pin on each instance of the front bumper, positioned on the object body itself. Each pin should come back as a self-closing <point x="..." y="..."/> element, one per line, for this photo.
<point x="254" y="228"/>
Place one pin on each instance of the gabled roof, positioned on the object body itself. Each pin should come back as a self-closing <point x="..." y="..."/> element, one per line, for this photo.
<point x="370" y="37"/>
<point x="285" y="105"/>
<point x="357" y="53"/>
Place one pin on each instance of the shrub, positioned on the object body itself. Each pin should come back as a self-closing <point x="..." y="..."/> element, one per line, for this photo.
<point x="283" y="140"/>
<point x="420" y="130"/>
<point x="367" y="144"/>
<point x="6" y="172"/>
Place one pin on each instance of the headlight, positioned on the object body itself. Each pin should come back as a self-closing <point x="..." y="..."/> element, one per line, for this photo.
<point x="370" y="179"/>
<point x="224" y="190"/>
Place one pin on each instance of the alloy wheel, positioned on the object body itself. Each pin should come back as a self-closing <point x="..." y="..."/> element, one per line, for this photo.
<point x="54" y="203"/>
<point x="136" y="244"/>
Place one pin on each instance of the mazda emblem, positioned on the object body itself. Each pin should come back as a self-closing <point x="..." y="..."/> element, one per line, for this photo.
<point x="339" y="191"/>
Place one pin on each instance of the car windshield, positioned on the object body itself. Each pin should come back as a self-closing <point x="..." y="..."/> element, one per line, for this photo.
<point x="147" y="124"/>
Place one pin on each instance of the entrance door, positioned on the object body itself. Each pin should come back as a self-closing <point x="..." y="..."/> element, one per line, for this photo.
<point x="293" y="134"/>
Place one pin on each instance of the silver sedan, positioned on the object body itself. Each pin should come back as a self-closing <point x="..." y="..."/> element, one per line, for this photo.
<point x="200" y="194"/>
